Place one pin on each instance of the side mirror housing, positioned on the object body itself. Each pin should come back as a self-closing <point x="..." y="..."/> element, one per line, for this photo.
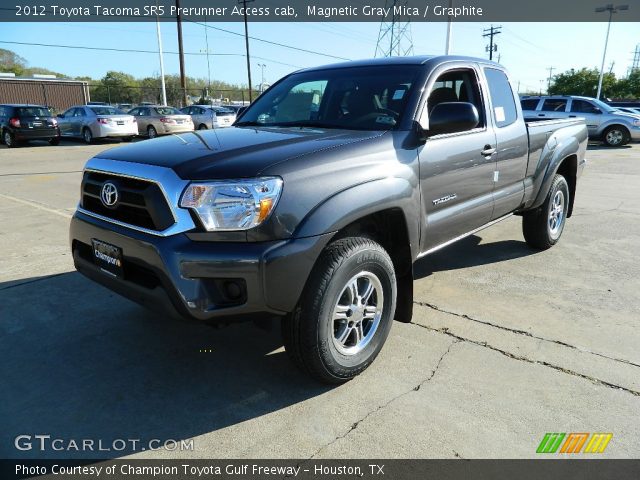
<point x="451" y="117"/>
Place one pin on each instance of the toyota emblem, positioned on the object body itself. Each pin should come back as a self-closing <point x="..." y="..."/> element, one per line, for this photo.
<point x="109" y="194"/>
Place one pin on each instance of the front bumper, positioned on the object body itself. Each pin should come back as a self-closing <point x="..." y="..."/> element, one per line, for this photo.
<point x="189" y="279"/>
<point x="635" y="134"/>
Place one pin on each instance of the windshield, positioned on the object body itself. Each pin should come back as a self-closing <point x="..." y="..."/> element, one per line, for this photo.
<point x="603" y="106"/>
<point x="107" y="111"/>
<point x="168" y="111"/>
<point x="371" y="98"/>
<point x="33" y="112"/>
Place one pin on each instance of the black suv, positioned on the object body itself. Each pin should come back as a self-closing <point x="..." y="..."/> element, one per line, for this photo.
<point x="19" y="123"/>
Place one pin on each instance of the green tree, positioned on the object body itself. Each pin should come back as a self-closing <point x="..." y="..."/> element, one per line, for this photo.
<point x="115" y="87"/>
<point x="583" y="82"/>
<point x="11" y="62"/>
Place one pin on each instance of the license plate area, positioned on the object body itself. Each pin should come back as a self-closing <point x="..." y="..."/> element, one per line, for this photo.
<point x="107" y="257"/>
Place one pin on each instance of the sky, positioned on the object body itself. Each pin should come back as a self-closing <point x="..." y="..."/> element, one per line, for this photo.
<point x="526" y="49"/>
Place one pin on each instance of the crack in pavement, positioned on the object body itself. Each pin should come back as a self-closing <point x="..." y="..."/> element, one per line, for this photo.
<point x="356" y="424"/>
<point x="525" y="333"/>
<point x="597" y="381"/>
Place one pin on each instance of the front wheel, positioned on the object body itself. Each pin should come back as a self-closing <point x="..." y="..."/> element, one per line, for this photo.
<point x="54" y="141"/>
<point x="345" y="312"/>
<point x="616" y="136"/>
<point x="543" y="226"/>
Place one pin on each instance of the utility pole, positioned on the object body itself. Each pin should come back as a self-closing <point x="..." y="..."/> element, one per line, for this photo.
<point x="162" y="84"/>
<point x="246" y="41"/>
<point x="491" y="32"/>
<point x="551" y="69"/>
<point x="611" y="9"/>
<point x="206" y="39"/>
<point x="262" y="67"/>
<point x="183" y="78"/>
<point x="449" y="30"/>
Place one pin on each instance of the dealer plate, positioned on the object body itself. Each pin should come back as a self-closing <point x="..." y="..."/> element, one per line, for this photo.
<point x="108" y="257"/>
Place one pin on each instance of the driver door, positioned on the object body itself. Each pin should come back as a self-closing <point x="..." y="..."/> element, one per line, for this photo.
<point x="456" y="169"/>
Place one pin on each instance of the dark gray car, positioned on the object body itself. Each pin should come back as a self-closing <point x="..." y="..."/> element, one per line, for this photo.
<point x="314" y="207"/>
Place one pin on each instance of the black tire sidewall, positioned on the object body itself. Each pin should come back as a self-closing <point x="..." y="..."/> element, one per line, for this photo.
<point x="625" y="136"/>
<point x="84" y="135"/>
<point x="363" y="259"/>
<point x="7" y="135"/>
<point x="152" y="129"/>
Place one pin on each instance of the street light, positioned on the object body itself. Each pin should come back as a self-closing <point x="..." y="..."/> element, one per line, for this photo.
<point x="611" y="9"/>
<point x="262" y="67"/>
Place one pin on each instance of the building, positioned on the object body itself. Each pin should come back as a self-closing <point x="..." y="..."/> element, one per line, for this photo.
<point x="58" y="93"/>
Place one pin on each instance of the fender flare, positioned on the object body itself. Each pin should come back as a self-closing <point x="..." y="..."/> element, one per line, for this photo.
<point x="565" y="149"/>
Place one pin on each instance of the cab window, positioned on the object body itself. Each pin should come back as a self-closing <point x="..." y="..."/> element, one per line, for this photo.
<point x="554" y="105"/>
<point x="459" y="85"/>
<point x="582" y="106"/>
<point x="502" y="101"/>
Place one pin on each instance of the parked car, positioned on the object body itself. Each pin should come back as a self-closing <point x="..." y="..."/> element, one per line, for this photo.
<point x="125" y="106"/>
<point x="632" y="104"/>
<point x="23" y="122"/>
<point x="317" y="215"/>
<point x="97" y="121"/>
<point x="605" y="123"/>
<point x="154" y="120"/>
<point x="632" y="110"/>
<point x="209" y="116"/>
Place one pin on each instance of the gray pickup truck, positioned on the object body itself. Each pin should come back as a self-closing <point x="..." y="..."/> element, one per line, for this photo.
<point x="315" y="205"/>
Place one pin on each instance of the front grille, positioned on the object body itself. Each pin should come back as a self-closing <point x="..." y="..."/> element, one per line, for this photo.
<point x="141" y="203"/>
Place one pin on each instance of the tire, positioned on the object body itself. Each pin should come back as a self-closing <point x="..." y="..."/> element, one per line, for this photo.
<point x="127" y="139"/>
<point x="616" y="136"/>
<point x="202" y="126"/>
<point x="54" y="141"/>
<point x="87" y="136"/>
<point x="8" y="139"/>
<point x="152" y="132"/>
<point x="543" y="227"/>
<point x="331" y="349"/>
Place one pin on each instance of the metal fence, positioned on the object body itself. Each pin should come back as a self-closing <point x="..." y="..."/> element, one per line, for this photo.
<point x="59" y="94"/>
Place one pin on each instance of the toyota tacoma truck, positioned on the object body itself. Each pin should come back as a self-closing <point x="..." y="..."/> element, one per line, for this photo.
<point x="315" y="205"/>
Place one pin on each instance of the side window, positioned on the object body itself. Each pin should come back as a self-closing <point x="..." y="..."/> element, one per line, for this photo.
<point x="529" y="103"/>
<point x="458" y="86"/>
<point x="134" y="112"/>
<point x="554" y="105"/>
<point x="79" y="112"/>
<point x="582" y="106"/>
<point x="502" y="101"/>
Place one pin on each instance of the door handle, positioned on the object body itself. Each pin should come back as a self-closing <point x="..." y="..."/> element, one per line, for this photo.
<point x="541" y="115"/>
<point x="488" y="151"/>
<point x="572" y="116"/>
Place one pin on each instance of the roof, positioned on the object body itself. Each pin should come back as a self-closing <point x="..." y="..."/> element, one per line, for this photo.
<point x="53" y="80"/>
<point x="412" y="60"/>
<point x="22" y="105"/>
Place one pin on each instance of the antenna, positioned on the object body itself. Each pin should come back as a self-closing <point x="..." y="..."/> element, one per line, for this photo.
<point x="394" y="38"/>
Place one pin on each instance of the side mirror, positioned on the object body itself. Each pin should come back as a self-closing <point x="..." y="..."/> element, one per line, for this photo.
<point x="451" y="117"/>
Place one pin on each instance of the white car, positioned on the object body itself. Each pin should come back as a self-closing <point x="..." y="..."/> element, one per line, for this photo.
<point x="209" y="116"/>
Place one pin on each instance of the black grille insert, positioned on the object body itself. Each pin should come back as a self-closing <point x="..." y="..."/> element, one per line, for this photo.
<point x="140" y="202"/>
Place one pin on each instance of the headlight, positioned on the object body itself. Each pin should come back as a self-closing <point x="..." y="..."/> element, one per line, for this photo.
<point x="233" y="204"/>
<point x="636" y="123"/>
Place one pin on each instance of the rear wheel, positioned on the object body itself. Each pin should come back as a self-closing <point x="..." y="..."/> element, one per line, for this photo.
<point x="54" y="141"/>
<point x="87" y="136"/>
<point x="8" y="139"/>
<point x="202" y="126"/>
<point x="543" y="226"/>
<point x="345" y="312"/>
<point x="152" y="132"/>
<point x="616" y="136"/>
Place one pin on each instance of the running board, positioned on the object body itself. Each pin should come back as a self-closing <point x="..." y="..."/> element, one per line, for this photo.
<point x="464" y="235"/>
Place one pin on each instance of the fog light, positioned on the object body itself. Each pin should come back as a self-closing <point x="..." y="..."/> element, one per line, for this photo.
<point x="232" y="290"/>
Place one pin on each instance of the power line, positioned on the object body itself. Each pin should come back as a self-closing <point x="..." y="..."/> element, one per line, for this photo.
<point x="394" y="37"/>
<point x="131" y="50"/>
<point x="491" y="32"/>
<point x="257" y="39"/>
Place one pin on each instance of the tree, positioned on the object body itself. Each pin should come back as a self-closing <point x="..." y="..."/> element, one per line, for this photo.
<point x="115" y="87"/>
<point x="11" y="62"/>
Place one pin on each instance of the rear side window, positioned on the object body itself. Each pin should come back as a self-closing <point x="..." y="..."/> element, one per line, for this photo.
<point x="554" y="105"/>
<point x="529" y="104"/>
<point x="502" y="101"/>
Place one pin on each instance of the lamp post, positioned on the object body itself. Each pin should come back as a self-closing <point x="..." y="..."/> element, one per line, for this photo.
<point x="262" y="67"/>
<point x="611" y="9"/>
<point x="163" y="88"/>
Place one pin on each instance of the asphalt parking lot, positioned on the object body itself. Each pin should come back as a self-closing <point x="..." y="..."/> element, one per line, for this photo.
<point x="506" y="343"/>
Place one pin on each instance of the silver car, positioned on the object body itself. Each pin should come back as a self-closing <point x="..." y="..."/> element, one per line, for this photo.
<point x="208" y="116"/>
<point x="97" y="121"/>
<point x="608" y="124"/>
<point x="154" y="120"/>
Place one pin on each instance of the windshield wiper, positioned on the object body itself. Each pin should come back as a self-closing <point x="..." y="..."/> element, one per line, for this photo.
<point x="304" y="123"/>
<point x="249" y="123"/>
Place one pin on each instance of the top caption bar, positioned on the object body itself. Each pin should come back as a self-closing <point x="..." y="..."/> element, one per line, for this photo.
<point x="316" y="10"/>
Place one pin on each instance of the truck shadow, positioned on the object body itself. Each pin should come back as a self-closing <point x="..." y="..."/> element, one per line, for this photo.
<point x="468" y="252"/>
<point x="81" y="362"/>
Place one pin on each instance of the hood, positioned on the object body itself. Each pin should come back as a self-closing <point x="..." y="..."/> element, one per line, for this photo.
<point x="234" y="152"/>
